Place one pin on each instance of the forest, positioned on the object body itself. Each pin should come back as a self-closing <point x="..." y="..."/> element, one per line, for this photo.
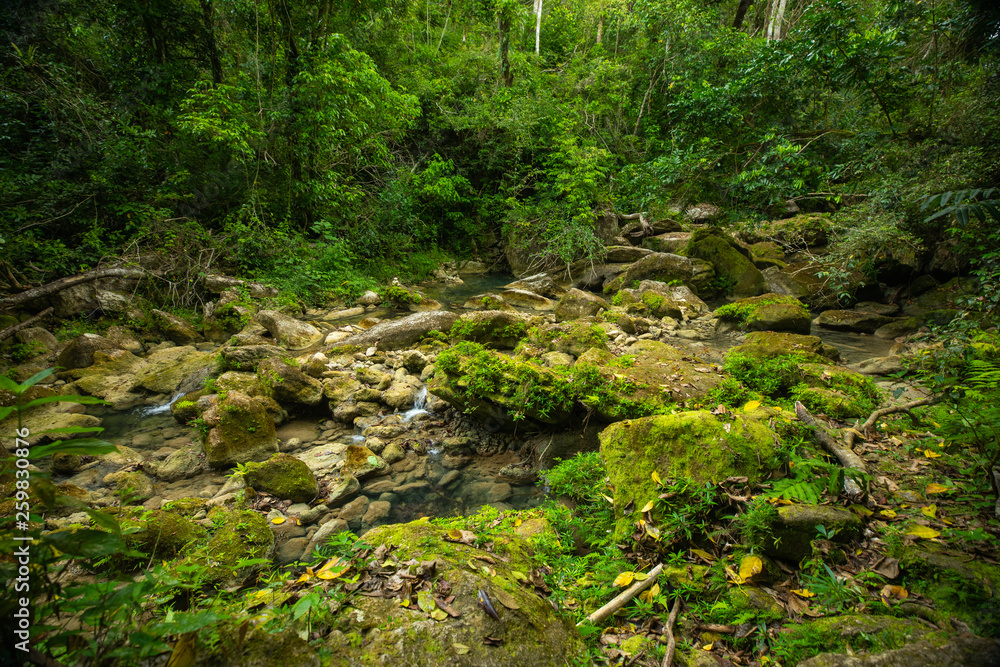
<point x="497" y="332"/>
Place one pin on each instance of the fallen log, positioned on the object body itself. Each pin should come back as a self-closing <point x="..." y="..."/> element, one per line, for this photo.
<point x="622" y="599"/>
<point x="844" y="454"/>
<point x="70" y="281"/>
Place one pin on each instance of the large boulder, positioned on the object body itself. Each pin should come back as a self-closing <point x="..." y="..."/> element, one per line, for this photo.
<point x="662" y="300"/>
<point x="287" y="384"/>
<point x="769" y="344"/>
<point x="769" y="312"/>
<point x="496" y="329"/>
<point x="852" y="320"/>
<point x="535" y="634"/>
<point x="733" y="269"/>
<point x="794" y="529"/>
<point x="159" y="534"/>
<point x="574" y="338"/>
<point x="241" y="431"/>
<point x="283" y="476"/>
<point x="246" y="357"/>
<point x="402" y="333"/>
<point x="242" y="535"/>
<point x="693" y="445"/>
<point x="173" y="369"/>
<point x="624" y="254"/>
<point x="80" y="352"/>
<point x="665" y="267"/>
<point x="176" y="328"/>
<point x="541" y="283"/>
<point x="288" y="331"/>
<point x="525" y="299"/>
<point x="672" y="242"/>
<point x="808" y="230"/>
<point x="576" y="303"/>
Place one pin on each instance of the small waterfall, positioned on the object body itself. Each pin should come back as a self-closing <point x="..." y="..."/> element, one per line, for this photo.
<point x="151" y="410"/>
<point x="419" y="406"/>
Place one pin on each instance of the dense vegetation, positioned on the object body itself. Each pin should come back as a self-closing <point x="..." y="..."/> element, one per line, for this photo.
<point x="359" y="140"/>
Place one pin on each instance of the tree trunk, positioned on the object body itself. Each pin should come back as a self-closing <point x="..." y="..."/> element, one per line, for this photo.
<point x="538" y="27"/>
<point x="503" y="24"/>
<point x="741" y="12"/>
<point x="213" y="49"/>
<point x="777" y="18"/>
<point x="600" y="28"/>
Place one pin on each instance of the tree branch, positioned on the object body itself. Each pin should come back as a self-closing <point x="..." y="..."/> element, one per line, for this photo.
<point x="878" y="414"/>
<point x="668" y="657"/>
<point x="10" y="331"/>
<point x="622" y="599"/>
<point x="63" y="283"/>
<point x="845" y="455"/>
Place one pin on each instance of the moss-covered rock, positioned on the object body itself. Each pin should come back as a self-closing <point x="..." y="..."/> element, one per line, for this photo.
<point x="693" y="445"/>
<point x="241" y="431"/>
<point x="734" y="270"/>
<point x="768" y="312"/>
<point x="285" y="383"/>
<point x="852" y="320"/>
<point x="488" y="301"/>
<point x="246" y="357"/>
<point x="260" y="648"/>
<point x="362" y="463"/>
<point x="958" y="585"/>
<point x="838" y="392"/>
<point x="769" y="344"/>
<point x="288" y="331"/>
<point x="241" y="535"/>
<point x="165" y="370"/>
<point x="186" y="408"/>
<point x="576" y="303"/>
<point x="667" y="268"/>
<point x="159" y="534"/>
<point x="570" y="337"/>
<point x="967" y="651"/>
<point x="496" y="329"/>
<point x="283" y="476"/>
<point x="843" y="632"/>
<point x="135" y="487"/>
<point x="378" y="631"/>
<point x="176" y="328"/>
<point x="794" y="529"/>
<point x="80" y="352"/>
<point x="807" y="230"/>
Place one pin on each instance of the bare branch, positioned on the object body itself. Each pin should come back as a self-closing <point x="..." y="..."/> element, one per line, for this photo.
<point x="10" y="331"/>
<point x="63" y="283"/>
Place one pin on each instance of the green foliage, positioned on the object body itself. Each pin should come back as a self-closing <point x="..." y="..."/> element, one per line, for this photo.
<point x="770" y="376"/>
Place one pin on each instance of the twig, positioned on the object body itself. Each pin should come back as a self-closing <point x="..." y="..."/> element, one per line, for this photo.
<point x="845" y="455"/>
<point x="623" y="597"/>
<point x="10" y="331"/>
<point x="668" y="657"/>
<point x="892" y="409"/>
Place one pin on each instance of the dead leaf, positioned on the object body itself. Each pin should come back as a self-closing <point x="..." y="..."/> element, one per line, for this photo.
<point x="923" y="532"/>
<point x="439" y="615"/>
<point x="492" y="641"/>
<point x="936" y="488"/>
<point x="888" y="568"/>
<point x="648" y="506"/>
<point x="425" y="600"/>
<point x="890" y="592"/>
<point x="749" y="566"/>
<point x="803" y="592"/>
<point x="460" y="649"/>
<point x="751" y="406"/>
<point x="624" y="579"/>
<point x="930" y="511"/>
<point x="505" y="598"/>
<point x="656" y="477"/>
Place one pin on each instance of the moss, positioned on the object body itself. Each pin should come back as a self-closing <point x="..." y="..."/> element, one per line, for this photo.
<point x="495" y="329"/>
<point x="688" y="445"/>
<point x="241" y="535"/>
<point x="958" y="586"/>
<point x="751" y="311"/>
<point x="570" y="337"/>
<point x="767" y="344"/>
<point x="732" y="267"/>
<point x="185" y="506"/>
<point x="283" y="476"/>
<point x="159" y="534"/>
<point x="799" y="641"/>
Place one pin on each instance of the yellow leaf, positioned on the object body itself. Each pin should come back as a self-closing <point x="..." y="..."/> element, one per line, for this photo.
<point x="804" y="592"/>
<point x="931" y="454"/>
<point x="303" y="579"/>
<point x="922" y="532"/>
<point x="439" y="615"/>
<point x="646" y="596"/>
<point x="278" y="520"/>
<point x="461" y="649"/>
<point x="608" y="498"/>
<point x="405" y="602"/>
<point x="896" y="592"/>
<point x="750" y="566"/>
<point x="517" y="522"/>
<point x="624" y="579"/>
<point x="184" y="652"/>
<point x="641" y="576"/>
<point x="862" y="510"/>
<point x="703" y="554"/>
<point x="648" y="506"/>
<point x="889" y="514"/>
<point x="656" y="477"/>
<point x="707" y="647"/>
<point x="937" y="488"/>
<point x="751" y="406"/>
<point x="930" y="511"/>
<point x="655" y="590"/>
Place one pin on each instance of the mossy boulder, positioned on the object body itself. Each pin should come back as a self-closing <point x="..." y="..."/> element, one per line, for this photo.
<point x="666" y="267"/>
<point x="283" y="476"/>
<point x="241" y="431"/>
<point x="241" y="535"/>
<point x="287" y="384"/>
<point x="186" y="408"/>
<point x="850" y="632"/>
<point x="260" y="647"/>
<point x="378" y="631"/>
<point x="176" y="328"/>
<point x="694" y="445"/>
<point x="576" y="303"/>
<point x="167" y="369"/>
<point x="340" y="388"/>
<point x="838" y="392"/>
<point x="402" y="333"/>
<point x="807" y="230"/>
<point x="734" y="270"/>
<point x="967" y="651"/>
<point x="288" y="331"/>
<point x="769" y="344"/>
<point x="135" y="487"/>
<point x="488" y="301"/>
<point x="496" y="329"/>
<point x="159" y="534"/>
<point x="523" y="298"/>
<point x="768" y="312"/>
<point x="794" y="529"/>
<point x="80" y="352"/>
<point x="662" y="300"/>
<point x="852" y="320"/>
<point x="494" y="387"/>
<point x="362" y="463"/>
<point x="187" y="461"/>
<point x="957" y="584"/>
<point x="570" y="337"/>
<point x="246" y="357"/>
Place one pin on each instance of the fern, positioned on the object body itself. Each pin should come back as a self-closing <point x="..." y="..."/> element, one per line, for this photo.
<point x="801" y="490"/>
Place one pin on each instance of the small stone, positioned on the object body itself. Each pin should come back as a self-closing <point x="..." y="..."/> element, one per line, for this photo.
<point x="392" y="453"/>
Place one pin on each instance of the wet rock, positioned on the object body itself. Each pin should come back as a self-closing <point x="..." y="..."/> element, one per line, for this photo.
<point x="540" y="283"/>
<point x="345" y="488"/>
<point x="134" y="486"/>
<point x="352" y="512"/>
<point x="575" y="304"/>
<point x="377" y="513"/>
<point x="241" y="431"/>
<point x="768" y="312"/>
<point x="64" y="463"/>
<point x="488" y="301"/>
<point x="402" y="333"/>
<point x="449" y="477"/>
<point x="392" y="453"/>
<point x="767" y="344"/>
<point x="288" y="384"/>
<point x="666" y="267"/>
<point x="288" y="331"/>
<point x="518" y="474"/>
<point x="283" y="476"/>
<point x="899" y="327"/>
<point x="363" y="463"/>
<point x="414" y="361"/>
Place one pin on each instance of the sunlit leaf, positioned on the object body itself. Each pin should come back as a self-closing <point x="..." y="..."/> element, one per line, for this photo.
<point x="749" y="566"/>
<point x="701" y="553"/>
<point x="460" y="649"/>
<point x="648" y="506"/>
<point x="894" y="592"/>
<point x="278" y="520"/>
<point x="934" y="487"/>
<point x="751" y="406"/>
<point x="425" y="600"/>
<point x="656" y="477"/>
<point x="624" y="579"/>
<point x="803" y="593"/>
<point x="931" y="454"/>
<point x="439" y="615"/>
<point x="707" y="647"/>
<point x="930" y="511"/>
<point x="888" y="514"/>
<point x="922" y="532"/>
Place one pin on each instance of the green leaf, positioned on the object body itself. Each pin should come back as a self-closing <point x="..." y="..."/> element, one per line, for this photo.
<point x="85" y="543"/>
<point x="9" y="385"/>
<point x="89" y="446"/>
<point x="82" y="400"/>
<point x="74" y="429"/>
<point x="37" y="377"/>
<point x="104" y="520"/>
<point x="5" y="412"/>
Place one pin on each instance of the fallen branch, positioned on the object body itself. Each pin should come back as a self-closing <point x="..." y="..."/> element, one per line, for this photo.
<point x="845" y="455"/>
<point x="641" y="217"/>
<point x="878" y="414"/>
<point x="668" y="657"/>
<point x="63" y="283"/>
<point x="10" y="331"/>
<point x="623" y="597"/>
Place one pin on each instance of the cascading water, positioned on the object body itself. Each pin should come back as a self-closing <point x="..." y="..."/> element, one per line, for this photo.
<point x="419" y="406"/>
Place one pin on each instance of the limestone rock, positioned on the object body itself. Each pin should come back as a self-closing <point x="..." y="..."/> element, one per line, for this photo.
<point x="176" y="328"/>
<point x="496" y="329"/>
<point x="283" y="476"/>
<point x="246" y="357"/>
<point x="525" y="299"/>
<point x="666" y="267"/>
<point x="241" y="431"/>
<point x="291" y="333"/>
<point x="576" y="303"/>
<point x="852" y="320"/>
<point x="624" y="254"/>
<point x="342" y="491"/>
<point x="731" y="265"/>
<point x="80" y="352"/>
<point x="288" y="384"/>
<point x="402" y="333"/>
